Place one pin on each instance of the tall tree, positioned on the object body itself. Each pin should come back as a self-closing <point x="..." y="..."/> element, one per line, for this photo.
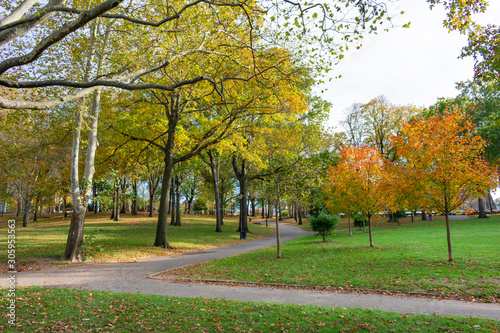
<point x="443" y="157"/>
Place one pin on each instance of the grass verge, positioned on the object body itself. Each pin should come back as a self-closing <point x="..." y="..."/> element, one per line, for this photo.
<point x="44" y="309"/>
<point x="411" y="258"/>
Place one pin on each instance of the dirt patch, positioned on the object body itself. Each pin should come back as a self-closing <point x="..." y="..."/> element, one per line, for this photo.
<point x="34" y="264"/>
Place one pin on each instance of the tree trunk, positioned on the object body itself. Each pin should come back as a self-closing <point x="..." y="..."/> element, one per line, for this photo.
<point x="26" y="216"/>
<point x="81" y="195"/>
<point x="370" y="230"/>
<point x="482" y="210"/>
<point x="252" y="202"/>
<point x="65" y="210"/>
<point x="94" y="189"/>
<point x="364" y="226"/>
<point x="151" y="204"/>
<point x="448" y="237"/>
<point x="178" y="201"/>
<point x="178" y="210"/>
<point x="134" y="200"/>
<point x="299" y="213"/>
<point x="173" y="118"/>
<point x="241" y="175"/>
<point x="18" y="208"/>
<point x="35" y="214"/>
<point x="350" y="229"/>
<point x="117" y="202"/>
<point x="424" y="218"/>
<point x="172" y="201"/>
<point x="278" y="242"/>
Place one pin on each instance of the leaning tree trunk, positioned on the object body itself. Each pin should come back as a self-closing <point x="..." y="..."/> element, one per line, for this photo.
<point x="482" y="210"/>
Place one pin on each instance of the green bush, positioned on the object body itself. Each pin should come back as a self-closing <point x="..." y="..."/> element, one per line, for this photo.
<point x="324" y="224"/>
<point x="358" y="222"/>
<point x="284" y="213"/>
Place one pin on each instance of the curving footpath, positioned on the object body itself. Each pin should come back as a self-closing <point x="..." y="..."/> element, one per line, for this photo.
<point x="134" y="277"/>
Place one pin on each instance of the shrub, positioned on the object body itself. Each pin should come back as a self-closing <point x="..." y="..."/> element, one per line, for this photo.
<point x="324" y="224"/>
<point x="284" y="213"/>
<point x="358" y="222"/>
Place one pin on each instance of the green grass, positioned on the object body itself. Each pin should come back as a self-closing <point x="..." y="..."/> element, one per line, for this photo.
<point x="412" y="257"/>
<point x="129" y="239"/>
<point x="42" y="309"/>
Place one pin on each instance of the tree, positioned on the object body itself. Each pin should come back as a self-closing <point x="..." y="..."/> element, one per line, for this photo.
<point x="443" y="157"/>
<point x="324" y="224"/>
<point x="360" y="180"/>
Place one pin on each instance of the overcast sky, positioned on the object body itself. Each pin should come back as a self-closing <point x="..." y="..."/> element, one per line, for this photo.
<point x="409" y="66"/>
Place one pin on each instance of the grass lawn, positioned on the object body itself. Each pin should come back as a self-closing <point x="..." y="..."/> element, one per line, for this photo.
<point x="129" y="239"/>
<point x="412" y="257"/>
<point x="41" y="309"/>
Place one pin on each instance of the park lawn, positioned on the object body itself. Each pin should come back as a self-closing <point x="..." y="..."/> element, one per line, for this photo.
<point x="46" y="309"/>
<point x="125" y="240"/>
<point x="412" y="257"/>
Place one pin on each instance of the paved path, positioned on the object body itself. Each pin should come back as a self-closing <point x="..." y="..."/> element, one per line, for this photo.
<point x="134" y="277"/>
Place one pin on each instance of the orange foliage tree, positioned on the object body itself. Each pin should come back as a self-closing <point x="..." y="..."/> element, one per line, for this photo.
<point x="441" y="158"/>
<point x="358" y="183"/>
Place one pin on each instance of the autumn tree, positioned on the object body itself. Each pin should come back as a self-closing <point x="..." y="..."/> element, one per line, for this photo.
<point x="358" y="182"/>
<point x="443" y="157"/>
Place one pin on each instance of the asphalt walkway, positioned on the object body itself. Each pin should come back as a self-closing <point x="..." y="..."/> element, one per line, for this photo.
<point x="135" y="277"/>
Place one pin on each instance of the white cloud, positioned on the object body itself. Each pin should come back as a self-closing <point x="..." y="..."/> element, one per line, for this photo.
<point x="408" y="66"/>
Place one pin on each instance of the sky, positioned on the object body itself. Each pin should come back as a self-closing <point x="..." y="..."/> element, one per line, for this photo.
<point x="415" y="66"/>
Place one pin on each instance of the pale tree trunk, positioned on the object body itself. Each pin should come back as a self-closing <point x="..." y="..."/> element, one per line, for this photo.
<point x="81" y="196"/>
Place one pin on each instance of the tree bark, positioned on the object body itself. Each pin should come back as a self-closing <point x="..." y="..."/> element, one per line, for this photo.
<point x="299" y="213"/>
<point x="80" y="196"/>
<point x="448" y="237"/>
<point x="350" y="229"/>
<point x="482" y="210"/>
<point x="26" y="216"/>
<point x="134" y="200"/>
<point x="94" y="188"/>
<point x="278" y="205"/>
<point x="173" y="118"/>
<point x="178" y="202"/>
<point x="214" y="163"/>
<point x="241" y="175"/>
<point x="370" y="230"/>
